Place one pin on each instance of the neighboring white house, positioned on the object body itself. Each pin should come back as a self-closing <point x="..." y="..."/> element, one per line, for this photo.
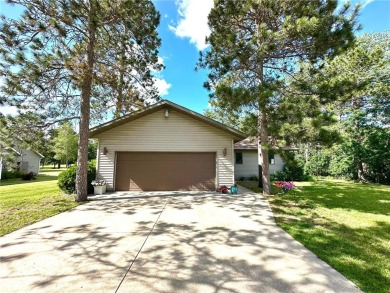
<point x="25" y="160"/>
<point x="246" y="161"/>
<point x="165" y="147"/>
<point x="28" y="160"/>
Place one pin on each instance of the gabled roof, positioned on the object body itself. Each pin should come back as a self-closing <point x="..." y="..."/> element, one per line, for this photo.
<point x="164" y="104"/>
<point x="250" y="143"/>
<point x="38" y="154"/>
<point x="18" y="153"/>
<point x="9" y="149"/>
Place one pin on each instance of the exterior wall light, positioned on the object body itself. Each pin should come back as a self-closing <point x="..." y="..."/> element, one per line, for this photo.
<point x="224" y="152"/>
<point x="105" y="151"/>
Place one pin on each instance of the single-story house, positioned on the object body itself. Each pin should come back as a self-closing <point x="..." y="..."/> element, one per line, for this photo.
<point x="165" y="147"/>
<point x="25" y="160"/>
<point x="246" y="160"/>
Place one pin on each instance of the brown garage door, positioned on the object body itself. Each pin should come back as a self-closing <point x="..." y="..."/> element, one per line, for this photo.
<point x="151" y="171"/>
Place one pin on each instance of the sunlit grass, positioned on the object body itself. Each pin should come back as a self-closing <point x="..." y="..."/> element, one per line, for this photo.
<point x="346" y="224"/>
<point x="25" y="202"/>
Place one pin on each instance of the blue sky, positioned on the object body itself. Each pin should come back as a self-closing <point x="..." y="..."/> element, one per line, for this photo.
<point x="183" y="28"/>
<point x="181" y="46"/>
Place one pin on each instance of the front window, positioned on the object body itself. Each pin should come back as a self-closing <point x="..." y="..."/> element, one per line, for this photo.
<point x="271" y="158"/>
<point x="239" y="158"/>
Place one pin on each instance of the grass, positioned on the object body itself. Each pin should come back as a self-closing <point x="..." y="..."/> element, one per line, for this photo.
<point x="26" y="202"/>
<point x="346" y="224"/>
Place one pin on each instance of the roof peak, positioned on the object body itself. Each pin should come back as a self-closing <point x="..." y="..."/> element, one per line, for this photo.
<point x="162" y="104"/>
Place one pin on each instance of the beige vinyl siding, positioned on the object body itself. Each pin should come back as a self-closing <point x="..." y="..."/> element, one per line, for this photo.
<point x="249" y="166"/>
<point x="156" y="133"/>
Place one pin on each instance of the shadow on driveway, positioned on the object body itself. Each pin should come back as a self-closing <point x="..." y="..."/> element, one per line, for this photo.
<point x="199" y="243"/>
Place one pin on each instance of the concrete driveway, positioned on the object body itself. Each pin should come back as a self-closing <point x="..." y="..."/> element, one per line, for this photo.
<point x="164" y="242"/>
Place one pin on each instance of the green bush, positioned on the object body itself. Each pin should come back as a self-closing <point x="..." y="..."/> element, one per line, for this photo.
<point x="11" y="174"/>
<point x="278" y="176"/>
<point x="28" y="176"/>
<point x="293" y="169"/>
<point x="318" y="163"/>
<point x="67" y="179"/>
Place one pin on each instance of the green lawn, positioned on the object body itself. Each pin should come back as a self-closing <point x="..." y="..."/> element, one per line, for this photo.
<point x="25" y="202"/>
<point x="346" y="224"/>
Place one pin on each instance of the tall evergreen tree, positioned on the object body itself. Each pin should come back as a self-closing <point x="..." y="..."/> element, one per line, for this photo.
<point x="256" y="44"/>
<point x="54" y="57"/>
<point x="359" y="79"/>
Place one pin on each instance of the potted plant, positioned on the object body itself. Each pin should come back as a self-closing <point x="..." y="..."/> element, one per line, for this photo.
<point x="234" y="189"/>
<point x="223" y="189"/>
<point x="99" y="186"/>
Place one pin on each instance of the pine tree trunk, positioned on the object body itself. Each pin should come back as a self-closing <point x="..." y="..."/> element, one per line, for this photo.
<point x="260" y="173"/>
<point x="82" y="153"/>
<point x="119" y="103"/>
<point x="265" y="177"/>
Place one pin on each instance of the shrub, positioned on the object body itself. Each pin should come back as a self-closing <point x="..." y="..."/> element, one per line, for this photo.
<point x="318" y="163"/>
<point x="278" y="176"/>
<point x="28" y="176"/>
<point x="11" y="174"/>
<point x="67" y="179"/>
<point x="293" y="169"/>
<point x="253" y="178"/>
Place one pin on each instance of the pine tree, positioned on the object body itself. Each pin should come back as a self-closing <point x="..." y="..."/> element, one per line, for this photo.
<point x="354" y="88"/>
<point x="362" y="75"/>
<point x="256" y="44"/>
<point x="54" y="57"/>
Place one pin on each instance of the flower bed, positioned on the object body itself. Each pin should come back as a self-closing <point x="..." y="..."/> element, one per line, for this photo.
<point x="284" y="185"/>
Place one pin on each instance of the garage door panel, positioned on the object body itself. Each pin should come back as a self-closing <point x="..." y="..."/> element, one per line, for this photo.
<point x="165" y="171"/>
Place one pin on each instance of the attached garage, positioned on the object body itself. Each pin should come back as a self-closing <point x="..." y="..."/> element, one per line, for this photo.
<point x="165" y="147"/>
<point x="148" y="171"/>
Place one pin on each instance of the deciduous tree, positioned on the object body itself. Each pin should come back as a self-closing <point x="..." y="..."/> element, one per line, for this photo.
<point x="65" y="144"/>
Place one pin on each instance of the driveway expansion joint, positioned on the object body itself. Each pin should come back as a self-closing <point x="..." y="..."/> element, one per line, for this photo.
<point x="142" y="246"/>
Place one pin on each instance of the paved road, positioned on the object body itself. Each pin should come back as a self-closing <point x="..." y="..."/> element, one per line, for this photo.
<point x="163" y="242"/>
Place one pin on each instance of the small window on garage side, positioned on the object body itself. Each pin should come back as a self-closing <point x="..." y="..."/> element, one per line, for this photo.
<point x="271" y="158"/>
<point x="239" y="158"/>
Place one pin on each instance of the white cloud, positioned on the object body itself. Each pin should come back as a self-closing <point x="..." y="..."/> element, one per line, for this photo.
<point x="9" y="110"/>
<point x="162" y="86"/>
<point x="160" y="83"/>
<point x="363" y="3"/>
<point x="160" y="60"/>
<point x="192" y="22"/>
